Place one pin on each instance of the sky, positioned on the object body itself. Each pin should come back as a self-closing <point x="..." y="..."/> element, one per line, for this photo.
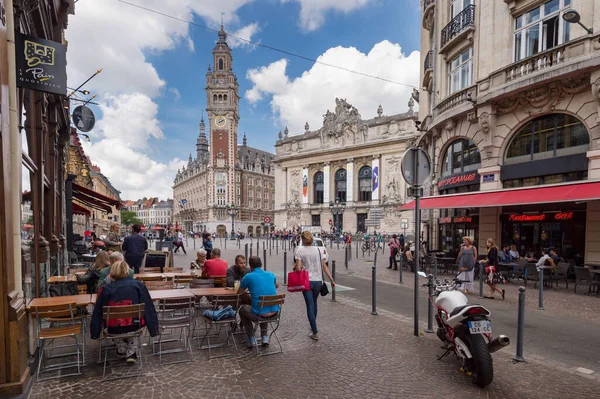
<point x="150" y="92"/>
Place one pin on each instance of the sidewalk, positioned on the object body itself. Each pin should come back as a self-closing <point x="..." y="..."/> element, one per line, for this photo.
<point x="358" y="356"/>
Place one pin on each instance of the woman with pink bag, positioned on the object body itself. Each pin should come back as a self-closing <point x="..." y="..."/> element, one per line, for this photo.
<point x="309" y="258"/>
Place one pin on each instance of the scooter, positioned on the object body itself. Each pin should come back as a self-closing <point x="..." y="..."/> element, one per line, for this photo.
<point x="464" y="329"/>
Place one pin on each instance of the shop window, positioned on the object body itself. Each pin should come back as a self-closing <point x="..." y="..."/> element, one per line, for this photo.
<point x="548" y="136"/>
<point x="541" y="28"/>
<point x="315" y="220"/>
<point x="361" y="222"/>
<point x="340" y="185"/>
<point x="461" y="156"/>
<point x="364" y="183"/>
<point x="549" y="179"/>
<point x="318" y="188"/>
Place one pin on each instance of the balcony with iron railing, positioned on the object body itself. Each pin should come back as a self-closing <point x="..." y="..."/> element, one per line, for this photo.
<point x="428" y="7"/>
<point x="460" y="25"/>
<point x="428" y="68"/>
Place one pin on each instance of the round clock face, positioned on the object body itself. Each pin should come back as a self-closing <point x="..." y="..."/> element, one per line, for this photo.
<point x="220" y="121"/>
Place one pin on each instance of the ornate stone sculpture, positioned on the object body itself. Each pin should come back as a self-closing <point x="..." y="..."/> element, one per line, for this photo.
<point x="343" y="127"/>
<point x="306" y="127"/>
<point x="379" y="111"/>
<point x="415" y="95"/>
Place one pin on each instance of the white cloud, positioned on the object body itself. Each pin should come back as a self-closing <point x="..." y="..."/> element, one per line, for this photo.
<point x="176" y="93"/>
<point x="306" y="98"/>
<point x="245" y="33"/>
<point x="312" y="12"/>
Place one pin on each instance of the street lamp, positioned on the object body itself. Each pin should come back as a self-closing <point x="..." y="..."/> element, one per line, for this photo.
<point x="337" y="208"/>
<point x="573" y="17"/>
<point x="233" y="210"/>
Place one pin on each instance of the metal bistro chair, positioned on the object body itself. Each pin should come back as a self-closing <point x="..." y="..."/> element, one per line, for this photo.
<point x="562" y="273"/>
<point x="218" y="303"/>
<point x="115" y="314"/>
<point x="219" y="281"/>
<point x="182" y="281"/>
<point x="159" y="285"/>
<point x="182" y="317"/>
<point x="202" y="283"/>
<point x="150" y="270"/>
<point x="270" y="300"/>
<point x="68" y="330"/>
<point x="584" y="277"/>
<point x="173" y="270"/>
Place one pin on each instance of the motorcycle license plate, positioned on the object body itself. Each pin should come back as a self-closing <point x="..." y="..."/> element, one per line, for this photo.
<point x="480" y="327"/>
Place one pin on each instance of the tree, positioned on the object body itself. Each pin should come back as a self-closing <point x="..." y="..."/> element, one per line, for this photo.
<point x="129" y="217"/>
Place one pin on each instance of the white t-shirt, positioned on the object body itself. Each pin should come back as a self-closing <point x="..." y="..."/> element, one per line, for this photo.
<point x="310" y="261"/>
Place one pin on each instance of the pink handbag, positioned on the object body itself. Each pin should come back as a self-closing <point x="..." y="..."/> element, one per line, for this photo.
<point x="298" y="281"/>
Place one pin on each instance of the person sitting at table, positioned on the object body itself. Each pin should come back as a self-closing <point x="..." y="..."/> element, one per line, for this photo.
<point x="135" y="246"/>
<point x="504" y="255"/>
<point x="197" y="265"/>
<point x="545" y="260"/>
<point x="554" y="255"/>
<point x="237" y="271"/>
<point x="124" y="291"/>
<point x="215" y="266"/>
<point x="514" y="254"/>
<point x="104" y="273"/>
<point x="92" y="275"/>
<point x="259" y="283"/>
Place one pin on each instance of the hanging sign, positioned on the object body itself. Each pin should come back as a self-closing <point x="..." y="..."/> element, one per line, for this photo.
<point x="84" y="118"/>
<point x="41" y="64"/>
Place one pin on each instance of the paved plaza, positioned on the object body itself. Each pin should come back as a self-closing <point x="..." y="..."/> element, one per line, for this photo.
<point x="358" y="356"/>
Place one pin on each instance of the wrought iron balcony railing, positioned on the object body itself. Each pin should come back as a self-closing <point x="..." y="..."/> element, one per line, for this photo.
<point x="464" y="19"/>
<point x="428" y="64"/>
<point x="427" y="3"/>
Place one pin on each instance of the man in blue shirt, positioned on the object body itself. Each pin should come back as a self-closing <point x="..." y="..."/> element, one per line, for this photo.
<point x="135" y="247"/>
<point x="259" y="283"/>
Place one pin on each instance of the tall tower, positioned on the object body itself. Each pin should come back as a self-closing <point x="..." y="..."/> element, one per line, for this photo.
<point x="202" y="143"/>
<point x="222" y="101"/>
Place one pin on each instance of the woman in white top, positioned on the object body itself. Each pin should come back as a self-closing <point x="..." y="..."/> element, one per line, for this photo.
<point x="309" y="258"/>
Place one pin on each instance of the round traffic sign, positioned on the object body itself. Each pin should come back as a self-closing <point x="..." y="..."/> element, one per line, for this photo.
<point x="416" y="166"/>
<point x="267" y="219"/>
<point x="84" y="118"/>
<point x="330" y="222"/>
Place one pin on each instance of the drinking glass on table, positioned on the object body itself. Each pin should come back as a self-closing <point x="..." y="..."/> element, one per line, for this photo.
<point x="236" y="285"/>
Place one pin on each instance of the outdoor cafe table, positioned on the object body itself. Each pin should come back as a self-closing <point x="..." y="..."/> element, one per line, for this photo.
<point x="139" y="276"/>
<point x="80" y="300"/>
<point x="62" y="279"/>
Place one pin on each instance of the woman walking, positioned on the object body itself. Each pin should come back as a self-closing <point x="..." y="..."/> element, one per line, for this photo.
<point x="466" y="264"/>
<point x="394" y="245"/>
<point x="310" y="258"/>
<point x="492" y="278"/>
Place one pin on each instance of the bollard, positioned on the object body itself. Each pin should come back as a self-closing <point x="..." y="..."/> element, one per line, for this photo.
<point x="239" y="243"/>
<point x="265" y="257"/>
<point x="401" y="266"/>
<point x="357" y="250"/>
<point x="435" y="268"/>
<point x="346" y="257"/>
<point x="363" y="248"/>
<point x="481" y="277"/>
<point x="270" y="254"/>
<point x="374" y="285"/>
<point x="225" y="242"/>
<point x="330" y="242"/>
<point x="520" y="326"/>
<point x="194" y="242"/>
<point x="246" y="251"/>
<point x="277" y="247"/>
<point x="541" y="295"/>
<point x="430" y="307"/>
<point x="338" y="244"/>
<point x="332" y="275"/>
<point x="250" y="249"/>
<point x="285" y="268"/>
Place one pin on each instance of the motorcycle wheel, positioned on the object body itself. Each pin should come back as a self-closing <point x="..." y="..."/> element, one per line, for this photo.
<point x="483" y="368"/>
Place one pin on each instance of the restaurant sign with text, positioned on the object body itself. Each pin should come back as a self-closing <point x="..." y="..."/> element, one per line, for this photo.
<point x="541" y="217"/>
<point x="463" y="179"/>
<point x="41" y="64"/>
<point x="459" y="219"/>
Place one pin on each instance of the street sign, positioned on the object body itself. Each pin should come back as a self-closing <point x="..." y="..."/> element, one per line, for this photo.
<point x="416" y="166"/>
<point x="372" y="222"/>
<point x="267" y="219"/>
<point x="84" y="118"/>
<point x="330" y="222"/>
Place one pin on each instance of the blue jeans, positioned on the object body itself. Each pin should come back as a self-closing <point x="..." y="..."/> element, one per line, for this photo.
<point x="310" y="297"/>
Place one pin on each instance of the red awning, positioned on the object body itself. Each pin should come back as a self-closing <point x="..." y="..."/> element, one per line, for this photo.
<point x="79" y="210"/>
<point x="93" y="199"/>
<point x="587" y="191"/>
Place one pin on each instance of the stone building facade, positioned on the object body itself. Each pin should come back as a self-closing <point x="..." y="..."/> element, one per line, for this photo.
<point x="510" y="105"/>
<point x="223" y="173"/>
<point x="101" y="221"/>
<point x="352" y="160"/>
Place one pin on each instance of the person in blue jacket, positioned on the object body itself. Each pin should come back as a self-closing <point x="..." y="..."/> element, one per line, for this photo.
<point x="123" y="291"/>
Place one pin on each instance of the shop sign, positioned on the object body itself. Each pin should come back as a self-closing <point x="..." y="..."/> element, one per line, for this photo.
<point x="541" y="217"/>
<point x="463" y="179"/>
<point x="41" y="64"/>
<point x="487" y="178"/>
<point x="460" y="219"/>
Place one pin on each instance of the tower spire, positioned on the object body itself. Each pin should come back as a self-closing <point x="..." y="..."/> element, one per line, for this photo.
<point x="244" y="140"/>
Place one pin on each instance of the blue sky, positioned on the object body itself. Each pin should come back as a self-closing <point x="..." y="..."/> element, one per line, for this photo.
<point x="164" y="84"/>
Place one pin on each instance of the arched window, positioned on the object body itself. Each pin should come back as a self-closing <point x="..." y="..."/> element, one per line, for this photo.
<point x="546" y="137"/>
<point x="364" y="183"/>
<point x="214" y="98"/>
<point x="224" y="97"/>
<point x="220" y="97"/>
<point x="318" y="188"/>
<point x="461" y="156"/>
<point x="221" y="64"/>
<point x="340" y="185"/>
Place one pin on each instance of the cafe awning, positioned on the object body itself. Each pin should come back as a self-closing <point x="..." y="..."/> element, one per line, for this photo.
<point x="93" y="199"/>
<point x="572" y="192"/>
<point x="79" y="210"/>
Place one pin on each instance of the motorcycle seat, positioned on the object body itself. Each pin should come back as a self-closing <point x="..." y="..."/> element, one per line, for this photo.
<point x="457" y="310"/>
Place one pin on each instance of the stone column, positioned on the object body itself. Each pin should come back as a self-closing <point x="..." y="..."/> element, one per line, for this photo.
<point x="326" y="185"/>
<point x="350" y="180"/>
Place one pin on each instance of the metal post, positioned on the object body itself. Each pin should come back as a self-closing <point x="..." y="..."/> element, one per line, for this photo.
<point x="265" y="258"/>
<point x="363" y="247"/>
<point x="357" y="250"/>
<point x="332" y="275"/>
<point x="225" y="242"/>
<point x="194" y="242"/>
<point x="250" y="249"/>
<point x="285" y="268"/>
<point x="346" y="257"/>
<point x="277" y="247"/>
<point x="541" y="295"/>
<point x="481" y="271"/>
<point x="338" y="243"/>
<point x="430" y="307"/>
<point x="246" y="251"/>
<point x="520" y="326"/>
<point x="435" y="268"/>
<point x="401" y="261"/>
<point x="374" y="286"/>
<point x="417" y="244"/>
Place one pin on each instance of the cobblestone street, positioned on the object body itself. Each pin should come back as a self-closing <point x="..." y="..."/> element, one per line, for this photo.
<point x="358" y="356"/>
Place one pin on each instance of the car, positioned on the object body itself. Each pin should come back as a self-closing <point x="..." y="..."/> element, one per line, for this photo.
<point x="318" y="242"/>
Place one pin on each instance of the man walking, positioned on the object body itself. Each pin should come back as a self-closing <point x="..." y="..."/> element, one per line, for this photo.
<point x="180" y="242"/>
<point x="134" y="247"/>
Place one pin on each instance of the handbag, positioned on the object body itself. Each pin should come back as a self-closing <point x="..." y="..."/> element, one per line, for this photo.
<point x="324" y="289"/>
<point x="298" y="281"/>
